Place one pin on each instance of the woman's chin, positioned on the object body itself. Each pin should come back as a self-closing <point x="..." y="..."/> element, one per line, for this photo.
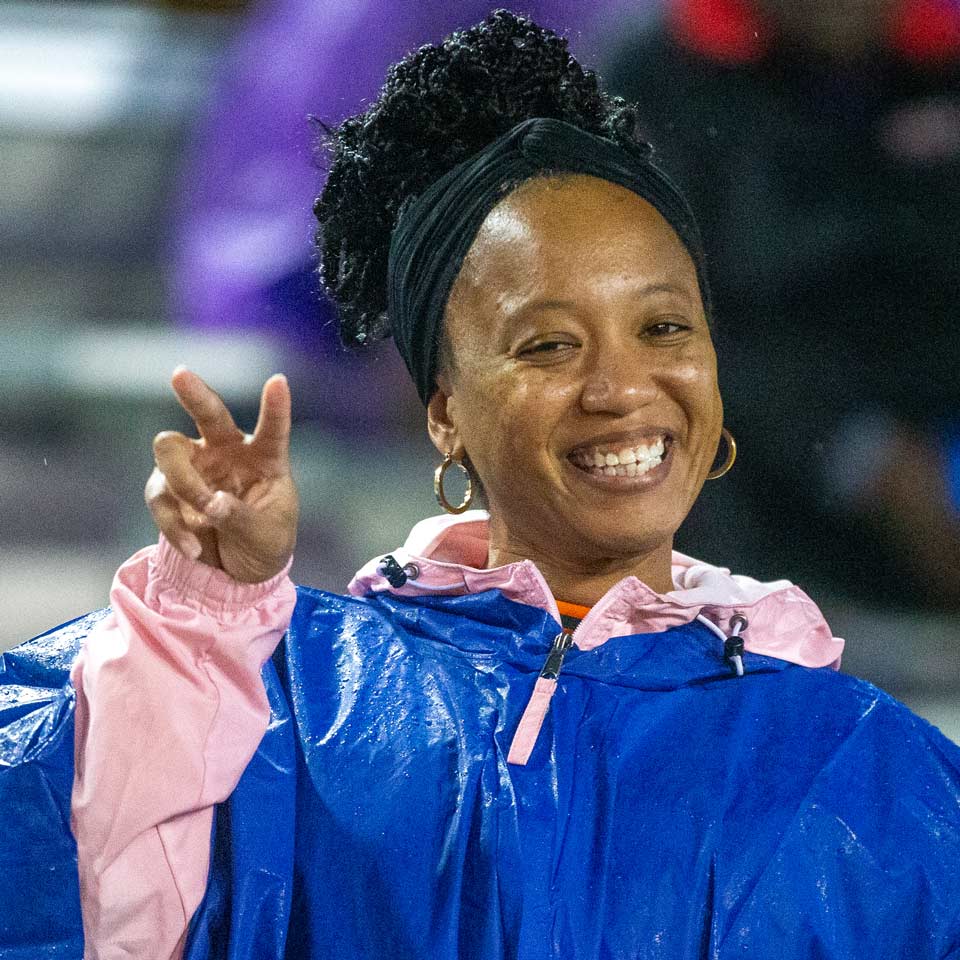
<point x="623" y="516"/>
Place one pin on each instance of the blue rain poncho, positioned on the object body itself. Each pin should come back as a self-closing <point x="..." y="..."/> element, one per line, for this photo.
<point x="669" y="808"/>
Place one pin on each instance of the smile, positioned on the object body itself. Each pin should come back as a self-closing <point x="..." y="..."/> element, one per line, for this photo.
<point x="616" y="466"/>
<point x="619" y="464"/>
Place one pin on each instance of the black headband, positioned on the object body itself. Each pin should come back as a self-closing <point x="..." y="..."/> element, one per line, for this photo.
<point x="435" y="231"/>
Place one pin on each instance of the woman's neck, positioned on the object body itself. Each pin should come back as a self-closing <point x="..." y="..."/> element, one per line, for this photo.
<point x="581" y="581"/>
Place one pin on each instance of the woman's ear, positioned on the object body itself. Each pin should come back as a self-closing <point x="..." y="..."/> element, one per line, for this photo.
<point x="441" y="421"/>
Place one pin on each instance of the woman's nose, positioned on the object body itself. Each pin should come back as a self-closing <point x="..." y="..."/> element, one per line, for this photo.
<point x="618" y="382"/>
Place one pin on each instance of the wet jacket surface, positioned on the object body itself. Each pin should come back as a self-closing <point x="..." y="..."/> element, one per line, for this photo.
<point x="668" y="808"/>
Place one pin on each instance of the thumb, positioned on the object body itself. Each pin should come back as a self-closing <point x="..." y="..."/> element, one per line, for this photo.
<point x="225" y="511"/>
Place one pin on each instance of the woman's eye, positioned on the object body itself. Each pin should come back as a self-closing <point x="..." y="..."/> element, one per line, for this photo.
<point x="667" y="327"/>
<point x="547" y="346"/>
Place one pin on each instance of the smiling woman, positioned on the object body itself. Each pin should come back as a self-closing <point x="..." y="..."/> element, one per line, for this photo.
<point x="580" y="344"/>
<point x="531" y="732"/>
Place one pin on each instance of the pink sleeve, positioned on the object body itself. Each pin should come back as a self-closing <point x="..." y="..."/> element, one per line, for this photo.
<point x="170" y="709"/>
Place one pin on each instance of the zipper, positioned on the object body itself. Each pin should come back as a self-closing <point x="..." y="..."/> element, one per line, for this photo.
<point x="554" y="663"/>
<point x="535" y="712"/>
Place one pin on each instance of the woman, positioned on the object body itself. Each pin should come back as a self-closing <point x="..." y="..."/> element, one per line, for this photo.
<point x="535" y="734"/>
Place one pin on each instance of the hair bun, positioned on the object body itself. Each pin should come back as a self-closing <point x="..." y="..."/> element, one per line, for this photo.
<point x="437" y="107"/>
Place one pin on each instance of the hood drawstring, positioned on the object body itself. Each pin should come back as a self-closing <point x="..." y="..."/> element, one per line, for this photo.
<point x="733" y="644"/>
<point x="394" y="574"/>
<point x="389" y="568"/>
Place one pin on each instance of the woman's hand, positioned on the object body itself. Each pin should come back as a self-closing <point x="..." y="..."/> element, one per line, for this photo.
<point x="227" y="499"/>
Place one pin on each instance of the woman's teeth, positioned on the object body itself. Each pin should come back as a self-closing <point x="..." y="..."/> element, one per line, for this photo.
<point x="628" y="462"/>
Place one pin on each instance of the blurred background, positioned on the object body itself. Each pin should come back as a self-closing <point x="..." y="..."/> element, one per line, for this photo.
<point x="159" y="163"/>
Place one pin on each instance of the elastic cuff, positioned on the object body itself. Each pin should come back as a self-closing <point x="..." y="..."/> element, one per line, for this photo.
<point x="205" y="585"/>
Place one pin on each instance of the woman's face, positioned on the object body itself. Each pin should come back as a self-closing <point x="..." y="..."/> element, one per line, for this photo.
<point x="578" y="338"/>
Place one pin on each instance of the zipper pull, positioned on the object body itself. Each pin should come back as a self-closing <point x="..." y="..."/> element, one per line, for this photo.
<point x="536" y="710"/>
<point x="561" y="644"/>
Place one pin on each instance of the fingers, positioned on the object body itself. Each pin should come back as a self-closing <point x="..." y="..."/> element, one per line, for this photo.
<point x="205" y="407"/>
<point x="254" y="544"/>
<point x="168" y="517"/>
<point x="248" y="532"/>
<point x="225" y="510"/>
<point x="173" y="453"/>
<point x="272" y="433"/>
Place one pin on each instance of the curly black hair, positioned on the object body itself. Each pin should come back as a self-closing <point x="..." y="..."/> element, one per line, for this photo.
<point x="437" y="107"/>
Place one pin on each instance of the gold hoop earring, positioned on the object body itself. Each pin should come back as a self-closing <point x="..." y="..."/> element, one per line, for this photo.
<point x="731" y="456"/>
<point x="438" y="476"/>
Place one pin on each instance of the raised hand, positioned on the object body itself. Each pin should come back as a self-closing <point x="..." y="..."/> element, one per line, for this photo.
<point x="227" y="498"/>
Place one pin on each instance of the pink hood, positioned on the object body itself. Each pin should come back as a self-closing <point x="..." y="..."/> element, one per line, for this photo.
<point x="450" y="555"/>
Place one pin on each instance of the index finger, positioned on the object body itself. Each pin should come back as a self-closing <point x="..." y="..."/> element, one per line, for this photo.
<point x="272" y="433"/>
<point x="173" y="454"/>
<point x="206" y="408"/>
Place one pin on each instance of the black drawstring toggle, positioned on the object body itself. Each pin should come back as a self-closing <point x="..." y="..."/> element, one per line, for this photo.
<point x="396" y="575"/>
<point x="733" y="645"/>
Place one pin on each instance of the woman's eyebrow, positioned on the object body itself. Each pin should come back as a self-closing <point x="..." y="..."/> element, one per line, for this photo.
<point x="543" y="304"/>
<point x="649" y="289"/>
<point x="644" y="290"/>
<point x="515" y="313"/>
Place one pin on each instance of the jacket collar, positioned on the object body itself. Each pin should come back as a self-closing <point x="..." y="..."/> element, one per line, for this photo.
<point x="448" y="555"/>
